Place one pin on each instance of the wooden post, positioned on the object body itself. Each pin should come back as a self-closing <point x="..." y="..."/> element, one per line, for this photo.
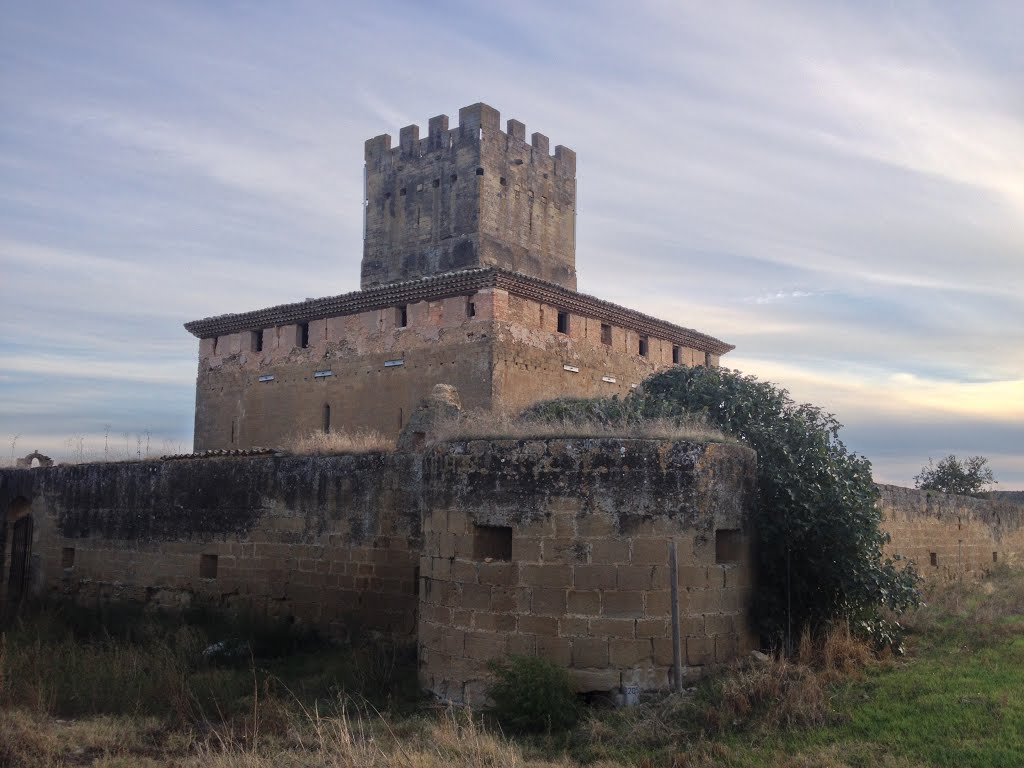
<point x="677" y="651"/>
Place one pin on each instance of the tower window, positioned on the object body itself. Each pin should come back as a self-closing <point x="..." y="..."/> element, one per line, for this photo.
<point x="606" y="334"/>
<point x="643" y="346"/>
<point x="401" y="192"/>
<point x="563" y="322"/>
<point x="677" y="355"/>
<point x="503" y="181"/>
<point x="304" y="335"/>
<point x="257" y="341"/>
<point x="67" y="557"/>
<point x="437" y="183"/>
<point x="470" y="309"/>
<point x="492" y="542"/>
<point x="479" y="171"/>
<point x="934" y="557"/>
<point x="327" y="419"/>
<point x="402" y="316"/>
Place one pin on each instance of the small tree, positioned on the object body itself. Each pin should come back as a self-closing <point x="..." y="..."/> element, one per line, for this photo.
<point x="970" y="477"/>
<point x="819" y="543"/>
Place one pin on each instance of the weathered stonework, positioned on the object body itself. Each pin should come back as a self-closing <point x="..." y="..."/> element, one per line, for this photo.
<point x="390" y="542"/>
<point x="468" y="278"/>
<point x="949" y="537"/>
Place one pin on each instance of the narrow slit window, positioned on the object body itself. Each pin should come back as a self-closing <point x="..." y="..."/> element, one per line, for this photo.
<point x="492" y="542"/>
<point x="606" y="334"/>
<point x="304" y="335"/>
<point x="934" y="557"/>
<point x="470" y="309"/>
<point x="208" y="566"/>
<point x="728" y="546"/>
<point x="995" y="557"/>
<point x="67" y="557"/>
<point x="257" y="341"/>
<point x="677" y="355"/>
<point x="402" y="316"/>
<point x="563" y="322"/>
<point x="232" y="431"/>
<point x="643" y="347"/>
<point x="327" y="419"/>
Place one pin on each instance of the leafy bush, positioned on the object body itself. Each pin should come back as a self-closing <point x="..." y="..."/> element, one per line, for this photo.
<point x="969" y="477"/>
<point x="819" y="544"/>
<point x="532" y="695"/>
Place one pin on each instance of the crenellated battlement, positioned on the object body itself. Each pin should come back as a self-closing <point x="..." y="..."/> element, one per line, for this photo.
<point x="477" y="123"/>
<point x="469" y="196"/>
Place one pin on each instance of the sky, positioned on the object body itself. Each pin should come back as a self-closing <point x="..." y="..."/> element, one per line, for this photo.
<point x="835" y="188"/>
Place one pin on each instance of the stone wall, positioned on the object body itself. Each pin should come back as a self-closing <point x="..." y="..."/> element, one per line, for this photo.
<point x="329" y="541"/>
<point x="559" y="548"/>
<point x="949" y="536"/>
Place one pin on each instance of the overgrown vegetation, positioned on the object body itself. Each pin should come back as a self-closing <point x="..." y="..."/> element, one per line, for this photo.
<point x="956" y="699"/>
<point x="532" y="695"/>
<point x="970" y="477"/>
<point x="328" y="443"/>
<point x="575" y="418"/>
<point x="819" y="542"/>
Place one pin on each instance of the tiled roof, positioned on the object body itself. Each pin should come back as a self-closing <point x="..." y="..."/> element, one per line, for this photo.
<point x="449" y="284"/>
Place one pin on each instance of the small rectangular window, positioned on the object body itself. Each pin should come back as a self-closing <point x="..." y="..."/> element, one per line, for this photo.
<point x="437" y="183"/>
<point x="470" y="309"/>
<point x="304" y="335"/>
<point x="563" y="322"/>
<point x="503" y="181"/>
<point x="677" y="355"/>
<point x="402" y="316"/>
<point x="934" y="556"/>
<point x="67" y="557"/>
<point x="606" y="334"/>
<point x="492" y="542"/>
<point x="327" y="419"/>
<point x="401" y="192"/>
<point x="643" y="346"/>
<point x="728" y="546"/>
<point x="995" y="557"/>
<point x="257" y="341"/>
<point x="208" y="566"/>
<point x="479" y="171"/>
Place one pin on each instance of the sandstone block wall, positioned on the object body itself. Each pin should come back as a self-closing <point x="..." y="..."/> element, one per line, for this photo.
<point x="469" y="196"/>
<point x="950" y="536"/>
<point x="583" y="578"/>
<point x="328" y="541"/>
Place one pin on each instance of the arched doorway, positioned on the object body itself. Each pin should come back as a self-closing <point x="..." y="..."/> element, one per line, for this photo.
<point x="17" y="546"/>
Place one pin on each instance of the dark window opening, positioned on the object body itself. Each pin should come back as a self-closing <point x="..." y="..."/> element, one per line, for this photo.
<point x="454" y="178"/>
<point x="327" y="419"/>
<point x="208" y="566"/>
<point x="606" y="334"/>
<point x="257" y="341"/>
<point x="677" y="355"/>
<point x="21" y="558"/>
<point x="215" y="340"/>
<point x="401" y="192"/>
<point x="479" y="171"/>
<point x="401" y="418"/>
<point x="643" y="346"/>
<point x="492" y="542"/>
<point x="728" y="546"/>
<point x="563" y="322"/>
<point x="437" y="183"/>
<point x="995" y="557"/>
<point x="503" y="181"/>
<point x="416" y="580"/>
<point x="470" y="309"/>
<point x="232" y="431"/>
<point x="402" y="316"/>
<point x="934" y="556"/>
<point x="304" y="335"/>
<point x="67" y="557"/>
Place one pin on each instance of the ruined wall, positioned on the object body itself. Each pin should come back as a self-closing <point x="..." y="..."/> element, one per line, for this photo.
<point x="467" y="197"/>
<point x="948" y="536"/>
<point x="559" y="548"/>
<point x="330" y="541"/>
<point x="498" y="349"/>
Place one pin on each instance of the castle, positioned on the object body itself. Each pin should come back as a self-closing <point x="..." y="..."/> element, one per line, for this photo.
<point x="627" y="561"/>
<point x="468" y="278"/>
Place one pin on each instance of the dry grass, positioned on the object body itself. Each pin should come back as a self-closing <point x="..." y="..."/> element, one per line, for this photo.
<point x="480" y="425"/>
<point x="329" y="443"/>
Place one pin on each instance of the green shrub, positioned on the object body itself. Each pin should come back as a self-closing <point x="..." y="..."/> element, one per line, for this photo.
<point x="532" y="695"/>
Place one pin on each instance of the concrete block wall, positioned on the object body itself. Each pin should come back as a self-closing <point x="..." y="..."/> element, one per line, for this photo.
<point x="585" y="580"/>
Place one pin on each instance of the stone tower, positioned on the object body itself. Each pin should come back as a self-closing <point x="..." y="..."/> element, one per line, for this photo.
<point x="471" y="196"/>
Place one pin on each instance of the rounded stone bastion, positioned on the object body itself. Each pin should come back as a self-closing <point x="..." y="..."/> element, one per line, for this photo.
<point x="559" y="548"/>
